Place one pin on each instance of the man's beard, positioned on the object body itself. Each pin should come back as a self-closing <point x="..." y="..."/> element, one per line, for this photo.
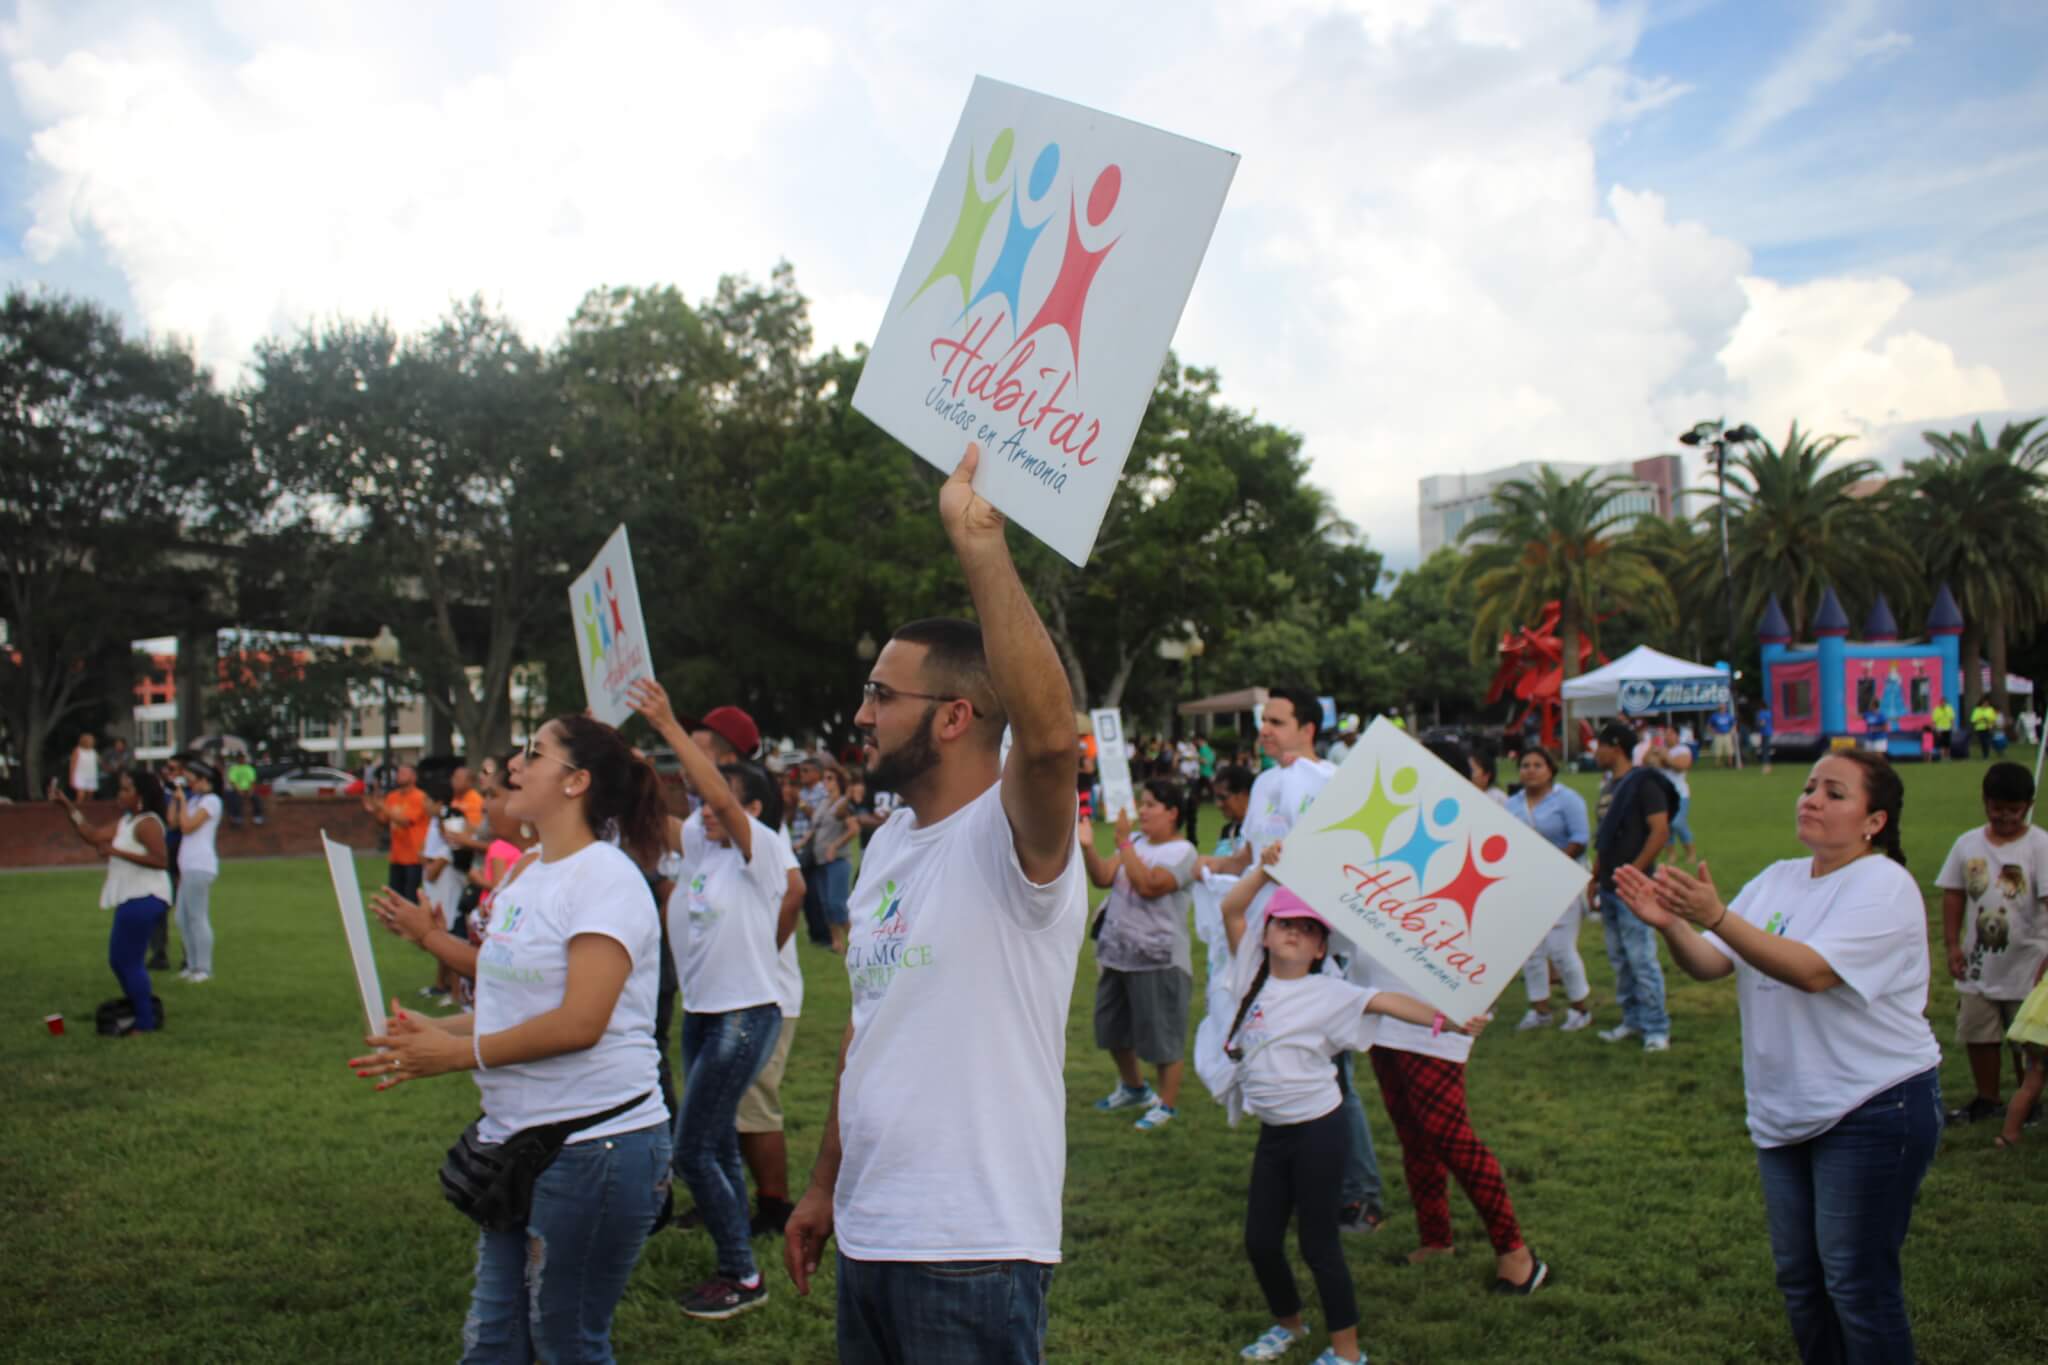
<point x="892" y="772"/>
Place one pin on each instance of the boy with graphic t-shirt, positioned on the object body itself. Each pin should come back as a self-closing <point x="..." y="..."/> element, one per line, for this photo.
<point x="946" y="1140"/>
<point x="1995" y="926"/>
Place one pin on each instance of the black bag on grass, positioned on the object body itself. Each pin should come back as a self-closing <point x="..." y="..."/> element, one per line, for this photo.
<point x="117" y="1016"/>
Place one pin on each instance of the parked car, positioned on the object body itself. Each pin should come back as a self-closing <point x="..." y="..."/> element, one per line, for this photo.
<point x="314" y="780"/>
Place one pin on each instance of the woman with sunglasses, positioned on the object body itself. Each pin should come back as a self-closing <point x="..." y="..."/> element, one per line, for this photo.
<point x="724" y="917"/>
<point x="563" y="1032"/>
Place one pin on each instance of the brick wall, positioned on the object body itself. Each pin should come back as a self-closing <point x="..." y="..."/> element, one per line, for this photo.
<point x="38" y="833"/>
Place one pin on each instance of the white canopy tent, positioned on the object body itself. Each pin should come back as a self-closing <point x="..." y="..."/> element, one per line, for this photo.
<point x="1599" y="693"/>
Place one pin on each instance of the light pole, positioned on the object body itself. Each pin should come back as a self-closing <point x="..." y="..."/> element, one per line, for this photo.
<point x="1714" y="443"/>
<point x="384" y="649"/>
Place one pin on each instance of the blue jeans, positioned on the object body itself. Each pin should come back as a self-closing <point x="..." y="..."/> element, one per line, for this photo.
<point x="127" y="946"/>
<point x="1638" y="976"/>
<point x="722" y="1053"/>
<point x="1361" y="1184"/>
<point x="1838" y="1206"/>
<point x="942" y="1312"/>
<point x="548" y="1293"/>
<point x="838" y="875"/>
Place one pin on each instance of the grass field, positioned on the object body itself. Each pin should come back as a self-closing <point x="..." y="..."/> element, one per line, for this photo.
<point x="228" y="1191"/>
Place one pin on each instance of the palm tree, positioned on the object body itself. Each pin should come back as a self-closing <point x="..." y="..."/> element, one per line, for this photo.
<point x="1550" y="538"/>
<point x="1974" y="508"/>
<point x="1688" y="555"/>
<point x="1797" y="525"/>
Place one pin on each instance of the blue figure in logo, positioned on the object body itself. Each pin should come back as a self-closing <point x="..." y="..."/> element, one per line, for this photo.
<point x="1006" y="276"/>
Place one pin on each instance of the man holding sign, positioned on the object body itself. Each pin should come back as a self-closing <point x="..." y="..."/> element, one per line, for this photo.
<point x="946" y="1140"/>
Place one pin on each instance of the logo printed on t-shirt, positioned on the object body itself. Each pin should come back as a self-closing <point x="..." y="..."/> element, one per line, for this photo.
<point x="702" y="913"/>
<point x="873" y="956"/>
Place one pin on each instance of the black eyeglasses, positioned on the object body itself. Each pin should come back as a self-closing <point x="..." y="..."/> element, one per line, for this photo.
<point x="881" y="694"/>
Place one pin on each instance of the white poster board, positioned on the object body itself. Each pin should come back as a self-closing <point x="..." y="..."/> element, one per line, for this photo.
<point x="611" y="635"/>
<point x="1113" y="764"/>
<point x="348" y="895"/>
<point x="1042" y="290"/>
<point x="1425" y="874"/>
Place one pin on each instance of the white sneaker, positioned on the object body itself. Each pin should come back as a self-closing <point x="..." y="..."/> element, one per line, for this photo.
<point x="1657" y="1042"/>
<point x="198" y="977"/>
<point x="1620" y="1033"/>
<point x="1275" y="1342"/>
<point x="1534" y="1019"/>
<point x="1158" y="1116"/>
<point x="1127" y="1097"/>
<point x="1574" y="1020"/>
<point x="186" y="973"/>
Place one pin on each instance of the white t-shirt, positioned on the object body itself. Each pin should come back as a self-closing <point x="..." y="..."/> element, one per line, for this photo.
<point x="522" y="970"/>
<point x="2005" y="931"/>
<point x="1142" y="935"/>
<point x="1291" y="1035"/>
<point x="721" y="921"/>
<point x="1279" y="796"/>
<point x="444" y="891"/>
<point x="85" y="769"/>
<point x="1808" y="1059"/>
<point x="952" y="1108"/>
<point x="789" y="974"/>
<point x="1399" y="1035"/>
<point x="196" y="851"/>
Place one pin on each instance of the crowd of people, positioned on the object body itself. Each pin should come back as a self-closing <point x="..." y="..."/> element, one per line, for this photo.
<point x="580" y="929"/>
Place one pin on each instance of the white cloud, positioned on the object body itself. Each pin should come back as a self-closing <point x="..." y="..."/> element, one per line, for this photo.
<point x="1830" y="52"/>
<point x="1419" y="266"/>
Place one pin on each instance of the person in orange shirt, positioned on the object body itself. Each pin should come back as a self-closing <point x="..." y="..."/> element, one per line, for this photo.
<point x="406" y="812"/>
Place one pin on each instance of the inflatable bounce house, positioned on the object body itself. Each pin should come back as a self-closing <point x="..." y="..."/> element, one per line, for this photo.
<point x="1878" y="694"/>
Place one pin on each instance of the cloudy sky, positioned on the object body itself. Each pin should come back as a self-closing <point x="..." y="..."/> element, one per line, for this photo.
<point x="1464" y="232"/>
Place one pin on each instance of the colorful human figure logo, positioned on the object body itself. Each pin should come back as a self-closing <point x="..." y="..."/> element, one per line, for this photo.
<point x="1006" y="277"/>
<point x="1067" y="303"/>
<point x="956" y="262"/>
<point x="892" y="903"/>
<point x="596" y="630"/>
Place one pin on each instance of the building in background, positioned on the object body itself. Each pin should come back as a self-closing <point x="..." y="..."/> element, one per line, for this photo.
<point x="1451" y="502"/>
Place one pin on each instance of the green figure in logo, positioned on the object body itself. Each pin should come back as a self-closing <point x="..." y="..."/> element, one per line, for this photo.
<point x="892" y="901"/>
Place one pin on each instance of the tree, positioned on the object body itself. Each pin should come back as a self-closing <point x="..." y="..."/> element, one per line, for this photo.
<point x="106" y="449"/>
<point x="1976" y="517"/>
<point x="1213" y="525"/>
<point x="270" y="686"/>
<point x="1551" y="538"/>
<point x="1797" y="525"/>
<point x="428" y="470"/>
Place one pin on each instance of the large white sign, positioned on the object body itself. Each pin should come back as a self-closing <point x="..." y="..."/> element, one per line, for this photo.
<point x="348" y="895"/>
<point x="1425" y="874"/>
<point x="1113" y="764"/>
<point x="1042" y="290"/>
<point x="611" y="635"/>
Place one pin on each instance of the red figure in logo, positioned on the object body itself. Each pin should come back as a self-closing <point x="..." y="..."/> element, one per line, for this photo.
<point x="1465" y="889"/>
<point x="611" y="595"/>
<point x="1069" y="297"/>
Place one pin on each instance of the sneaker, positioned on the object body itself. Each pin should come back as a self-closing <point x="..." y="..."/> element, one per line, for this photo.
<point x="769" y="1216"/>
<point x="1158" y="1116"/>
<point x="1657" y="1042"/>
<point x="1538" y="1277"/>
<point x="1534" y="1019"/>
<point x="432" y="992"/>
<point x="1574" y="1020"/>
<point x="1330" y="1357"/>
<point x="197" y="977"/>
<point x="1126" y="1097"/>
<point x="185" y="974"/>
<point x="1620" y="1033"/>
<point x="1978" y="1108"/>
<point x="1359" y="1218"/>
<point x="718" y="1299"/>
<point x="1277" y="1341"/>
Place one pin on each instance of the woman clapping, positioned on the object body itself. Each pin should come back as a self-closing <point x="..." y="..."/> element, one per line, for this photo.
<point x="1829" y="955"/>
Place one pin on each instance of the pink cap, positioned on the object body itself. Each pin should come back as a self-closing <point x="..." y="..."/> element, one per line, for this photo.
<point x="1286" y="905"/>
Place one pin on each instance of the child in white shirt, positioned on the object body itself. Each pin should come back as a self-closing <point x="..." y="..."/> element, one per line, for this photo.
<point x="1292" y="1021"/>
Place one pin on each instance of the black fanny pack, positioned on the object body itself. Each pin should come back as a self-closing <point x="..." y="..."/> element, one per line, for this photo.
<point x="492" y="1182"/>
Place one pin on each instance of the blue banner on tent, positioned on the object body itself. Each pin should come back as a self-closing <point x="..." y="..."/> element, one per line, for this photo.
<point x="1644" y="697"/>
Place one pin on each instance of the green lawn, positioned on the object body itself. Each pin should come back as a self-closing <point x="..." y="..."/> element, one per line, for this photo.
<point x="229" y="1191"/>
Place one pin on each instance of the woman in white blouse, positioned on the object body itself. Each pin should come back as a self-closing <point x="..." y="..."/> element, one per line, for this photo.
<point x="1829" y="953"/>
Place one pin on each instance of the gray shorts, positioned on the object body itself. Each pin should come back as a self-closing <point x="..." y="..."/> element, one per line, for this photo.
<point x="1146" y="1012"/>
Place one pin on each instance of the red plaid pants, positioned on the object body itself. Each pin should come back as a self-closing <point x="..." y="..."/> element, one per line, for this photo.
<point x="1425" y="1097"/>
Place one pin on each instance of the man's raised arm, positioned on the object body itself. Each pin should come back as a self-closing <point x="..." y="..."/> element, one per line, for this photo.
<point x="1025" y="669"/>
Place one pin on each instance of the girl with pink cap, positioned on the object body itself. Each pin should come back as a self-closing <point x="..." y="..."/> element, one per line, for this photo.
<point x="1293" y="1018"/>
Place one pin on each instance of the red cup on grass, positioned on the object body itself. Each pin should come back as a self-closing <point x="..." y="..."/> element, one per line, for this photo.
<point x="55" y="1024"/>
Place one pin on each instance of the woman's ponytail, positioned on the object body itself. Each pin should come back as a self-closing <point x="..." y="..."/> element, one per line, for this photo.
<point x="1883" y="794"/>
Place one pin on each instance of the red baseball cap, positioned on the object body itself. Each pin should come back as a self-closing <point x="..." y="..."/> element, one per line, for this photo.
<point x="1286" y="905"/>
<point x="730" y="724"/>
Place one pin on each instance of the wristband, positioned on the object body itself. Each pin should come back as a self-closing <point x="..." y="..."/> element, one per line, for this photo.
<point x="1124" y="842"/>
<point x="476" y="1050"/>
<point x="77" y="817"/>
<point x="1717" y="923"/>
<point x="1436" y="1029"/>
